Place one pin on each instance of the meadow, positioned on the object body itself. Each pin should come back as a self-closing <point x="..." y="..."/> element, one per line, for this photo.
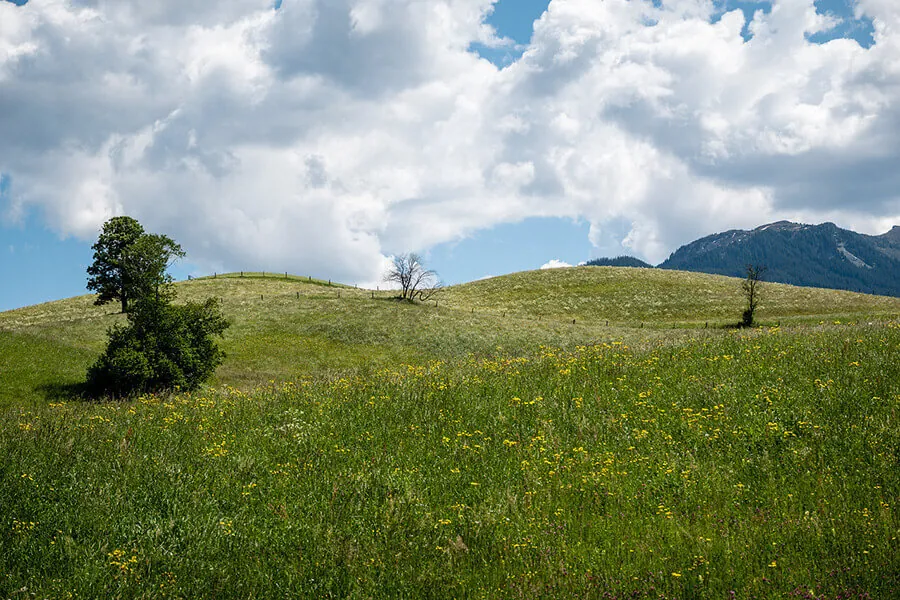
<point x="485" y="447"/>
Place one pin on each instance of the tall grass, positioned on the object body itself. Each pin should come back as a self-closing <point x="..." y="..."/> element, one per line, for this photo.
<point x="750" y="464"/>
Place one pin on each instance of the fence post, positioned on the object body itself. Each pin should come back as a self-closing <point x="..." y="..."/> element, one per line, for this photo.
<point x="215" y="275"/>
<point x="242" y="273"/>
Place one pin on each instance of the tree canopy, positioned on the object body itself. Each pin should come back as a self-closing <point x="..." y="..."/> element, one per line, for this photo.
<point x="106" y="275"/>
<point x="145" y="263"/>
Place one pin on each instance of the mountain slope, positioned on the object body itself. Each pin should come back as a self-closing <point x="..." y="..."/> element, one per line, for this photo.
<point x="807" y="255"/>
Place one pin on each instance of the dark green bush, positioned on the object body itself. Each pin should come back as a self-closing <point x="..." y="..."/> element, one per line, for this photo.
<point x="163" y="347"/>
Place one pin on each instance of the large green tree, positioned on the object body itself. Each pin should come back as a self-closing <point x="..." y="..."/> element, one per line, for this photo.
<point x="106" y="275"/>
<point x="129" y="263"/>
<point x="145" y="263"/>
<point x="163" y="346"/>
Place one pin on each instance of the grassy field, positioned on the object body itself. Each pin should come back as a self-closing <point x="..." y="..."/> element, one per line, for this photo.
<point x="657" y="297"/>
<point x="485" y="447"/>
<point x="286" y="328"/>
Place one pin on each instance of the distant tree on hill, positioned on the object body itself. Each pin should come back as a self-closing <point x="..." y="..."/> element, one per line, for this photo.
<point x="415" y="281"/>
<point x="751" y="286"/>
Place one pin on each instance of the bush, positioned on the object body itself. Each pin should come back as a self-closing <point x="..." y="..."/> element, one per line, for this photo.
<point x="164" y="346"/>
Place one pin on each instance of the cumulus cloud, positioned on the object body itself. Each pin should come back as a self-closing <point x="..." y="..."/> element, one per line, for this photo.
<point x="328" y="134"/>
<point x="555" y="264"/>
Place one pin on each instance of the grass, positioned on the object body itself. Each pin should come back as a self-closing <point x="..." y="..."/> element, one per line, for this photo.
<point x="761" y="464"/>
<point x="288" y="327"/>
<point x="657" y="297"/>
<point x="421" y="451"/>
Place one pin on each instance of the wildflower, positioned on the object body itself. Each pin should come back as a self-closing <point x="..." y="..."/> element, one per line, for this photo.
<point x="227" y="526"/>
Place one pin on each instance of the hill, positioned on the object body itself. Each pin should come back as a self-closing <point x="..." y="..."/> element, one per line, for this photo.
<point x="808" y="255"/>
<point x="289" y="327"/>
<point x="356" y="446"/>
<point x="656" y="297"/>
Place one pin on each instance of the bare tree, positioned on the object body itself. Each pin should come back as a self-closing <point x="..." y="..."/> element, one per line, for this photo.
<point x="751" y="287"/>
<point x="415" y="281"/>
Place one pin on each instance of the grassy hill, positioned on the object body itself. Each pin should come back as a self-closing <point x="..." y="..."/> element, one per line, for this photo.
<point x="483" y="447"/>
<point x="287" y="327"/>
<point x="628" y="296"/>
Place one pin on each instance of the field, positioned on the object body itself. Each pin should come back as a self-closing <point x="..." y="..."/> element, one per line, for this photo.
<point x="484" y="447"/>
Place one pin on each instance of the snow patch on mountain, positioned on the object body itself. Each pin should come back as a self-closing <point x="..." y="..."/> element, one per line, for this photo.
<point x="854" y="260"/>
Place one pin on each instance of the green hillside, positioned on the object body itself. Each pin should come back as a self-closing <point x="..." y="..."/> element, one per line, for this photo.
<point x="288" y="327"/>
<point x="355" y="446"/>
<point x="628" y="296"/>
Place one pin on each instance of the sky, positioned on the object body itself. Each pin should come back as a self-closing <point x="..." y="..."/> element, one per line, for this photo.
<point x="322" y="137"/>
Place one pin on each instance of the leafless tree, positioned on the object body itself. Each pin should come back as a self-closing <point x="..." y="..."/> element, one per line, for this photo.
<point x="415" y="281"/>
<point x="751" y="287"/>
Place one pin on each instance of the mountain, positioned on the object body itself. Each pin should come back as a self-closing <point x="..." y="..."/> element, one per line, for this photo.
<point x="808" y="255"/>
<point x="619" y="261"/>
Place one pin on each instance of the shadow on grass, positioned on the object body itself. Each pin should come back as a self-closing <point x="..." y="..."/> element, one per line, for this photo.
<point x="64" y="392"/>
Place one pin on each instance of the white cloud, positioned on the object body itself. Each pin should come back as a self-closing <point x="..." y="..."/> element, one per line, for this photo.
<point x="555" y="264"/>
<point x="329" y="134"/>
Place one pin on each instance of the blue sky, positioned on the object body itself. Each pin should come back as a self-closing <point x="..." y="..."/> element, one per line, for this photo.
<point x="45" y="249"/>
<point x="49" y="268"/>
